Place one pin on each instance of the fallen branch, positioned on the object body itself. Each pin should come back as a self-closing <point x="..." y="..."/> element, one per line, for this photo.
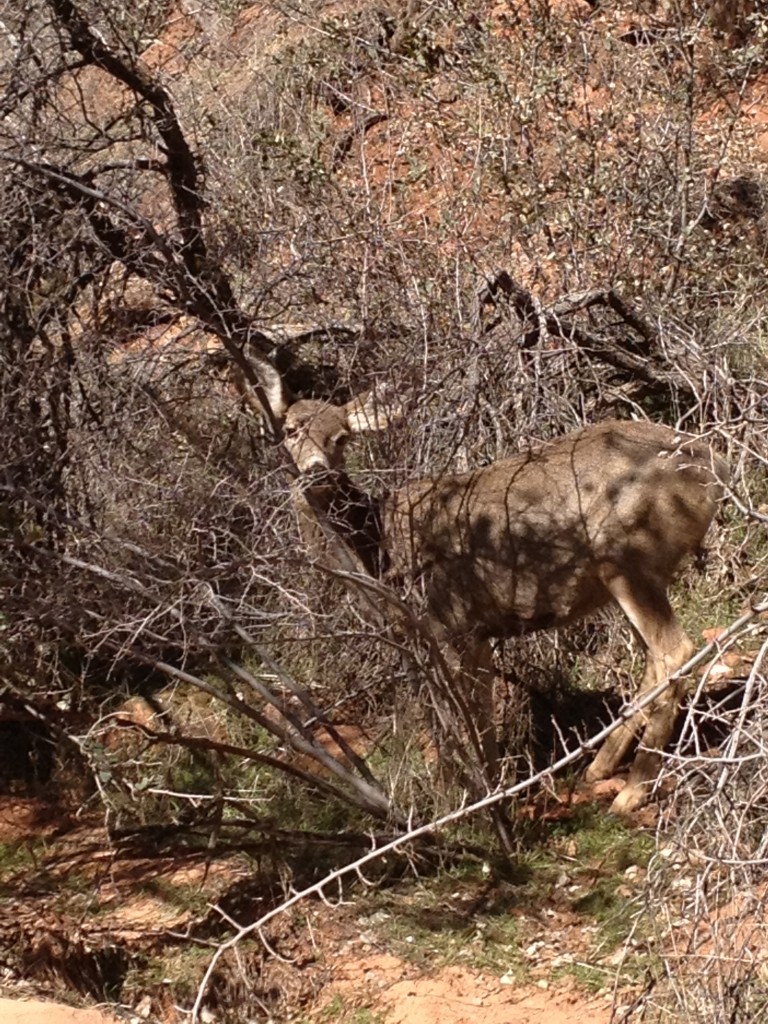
<point x="638" y="357"/>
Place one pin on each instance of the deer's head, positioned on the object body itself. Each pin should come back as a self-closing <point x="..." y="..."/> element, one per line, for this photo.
<point x="315" y="432"/>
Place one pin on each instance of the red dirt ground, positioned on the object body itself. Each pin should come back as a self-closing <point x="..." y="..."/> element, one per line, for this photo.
<point x="34" y="1011"/>
<point x="394" y="989"/>
<point x="452" y="996"/>
<point x="457" y="995"/>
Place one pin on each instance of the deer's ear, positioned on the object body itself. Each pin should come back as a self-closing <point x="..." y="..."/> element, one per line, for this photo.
<point x="375" y="410"/>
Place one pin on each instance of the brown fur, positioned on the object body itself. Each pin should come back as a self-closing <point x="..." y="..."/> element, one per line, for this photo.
<point x="536" y="541"/>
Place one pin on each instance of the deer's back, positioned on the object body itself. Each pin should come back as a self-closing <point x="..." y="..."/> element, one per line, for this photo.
<point x="521" y="544"/>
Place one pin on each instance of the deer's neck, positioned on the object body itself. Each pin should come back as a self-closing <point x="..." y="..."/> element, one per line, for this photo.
<point x="349" y="513"/>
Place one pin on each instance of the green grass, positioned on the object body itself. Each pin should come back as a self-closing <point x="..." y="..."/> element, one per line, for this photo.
<point x="338" y="1011"/>
<point x="178" y="970"/>
<point x="190" y="898"/>
<point x="364" y="1015"/>
<point x="589" y="977"/>
<point x="333" y="1011"/>
<point x="17" y="856"/>
<point x="476" y="916"/>
<point x="601" y="836"/>
<point x="458" y="916"/>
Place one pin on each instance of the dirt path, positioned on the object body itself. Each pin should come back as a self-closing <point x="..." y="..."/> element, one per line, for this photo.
<point x="34" y="1011"/>
<point x="455" y="996"/>
<point x="450" y="997"/>
<point x="385" y="985"/>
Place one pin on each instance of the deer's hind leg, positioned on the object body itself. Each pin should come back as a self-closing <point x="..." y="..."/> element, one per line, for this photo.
<point x="646" y="605"/>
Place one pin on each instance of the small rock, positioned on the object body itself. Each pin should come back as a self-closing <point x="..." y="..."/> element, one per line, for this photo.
<point x="562" y="958"/>
<point x="143" y="1008"/>
<point x="682" y="884"/>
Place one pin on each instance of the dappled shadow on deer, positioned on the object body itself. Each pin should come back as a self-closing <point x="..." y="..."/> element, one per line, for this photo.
<point x="536" y="541"/>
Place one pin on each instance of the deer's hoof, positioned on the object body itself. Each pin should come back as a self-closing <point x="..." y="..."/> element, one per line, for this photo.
<point x="631" y="798"/>
<point x="600" y="768"/>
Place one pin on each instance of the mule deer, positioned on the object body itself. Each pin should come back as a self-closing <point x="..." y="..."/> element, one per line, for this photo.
<point x="532" y="542"/>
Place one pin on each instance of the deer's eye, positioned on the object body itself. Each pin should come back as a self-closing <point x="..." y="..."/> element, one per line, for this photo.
<point x="338" y="440"/>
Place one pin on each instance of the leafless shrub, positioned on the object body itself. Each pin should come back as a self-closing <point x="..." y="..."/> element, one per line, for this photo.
<point x="513" y="266"/>
<point x="703" y="918"/>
